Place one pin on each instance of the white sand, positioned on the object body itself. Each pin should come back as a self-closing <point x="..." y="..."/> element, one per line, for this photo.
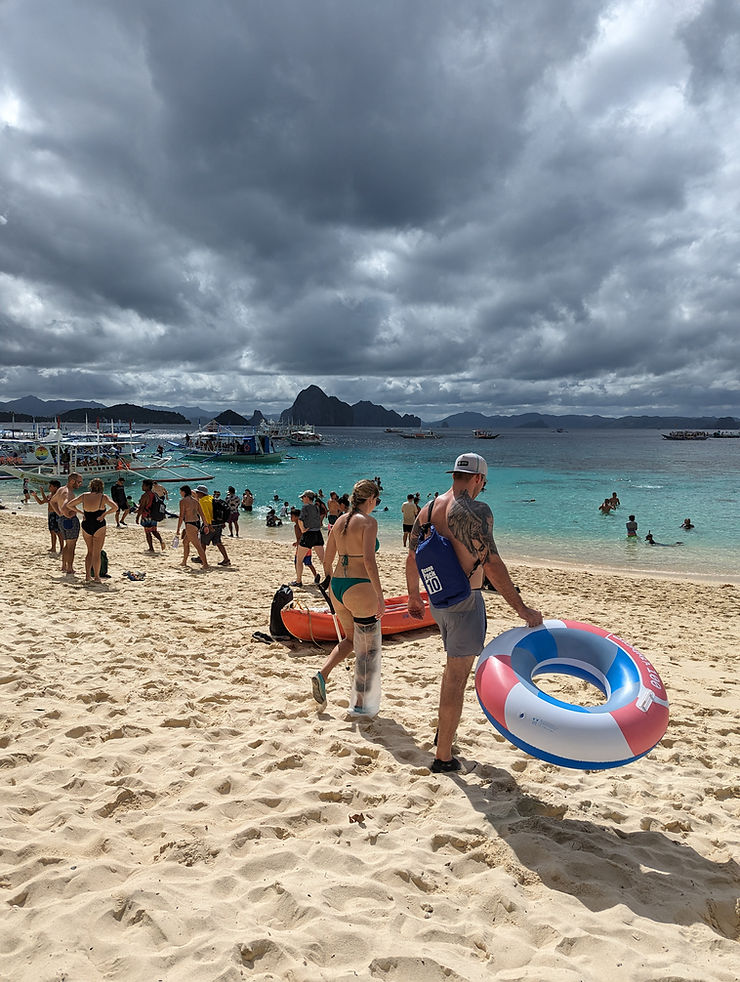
<point x="173" y="806"/>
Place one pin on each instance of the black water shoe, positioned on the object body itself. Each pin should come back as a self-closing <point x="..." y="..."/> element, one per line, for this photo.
<point x="445" y="766"/>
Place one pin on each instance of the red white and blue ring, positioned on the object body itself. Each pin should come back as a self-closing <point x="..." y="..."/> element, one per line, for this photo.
<point x="628" y="726"/>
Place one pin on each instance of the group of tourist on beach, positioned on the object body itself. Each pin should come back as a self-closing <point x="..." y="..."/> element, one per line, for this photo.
<point x="351" y="576"/>
<point x="65" y="505"/>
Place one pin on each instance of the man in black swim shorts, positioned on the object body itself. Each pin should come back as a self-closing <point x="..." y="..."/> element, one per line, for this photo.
<point x="468" y="524"/>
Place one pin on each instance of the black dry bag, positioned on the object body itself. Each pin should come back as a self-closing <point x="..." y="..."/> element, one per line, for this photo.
<point x="282" y="598"/>
<point x="439" y="568"/>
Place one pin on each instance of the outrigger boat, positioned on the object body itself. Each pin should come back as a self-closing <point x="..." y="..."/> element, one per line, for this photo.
<point x="297" y="434"/>
<point x="54" y="456"/>
<point x="217" y="442"/>
<point x="485" y="434"/>
<point x="686" y="435"/>
<point x="304" y="435"/>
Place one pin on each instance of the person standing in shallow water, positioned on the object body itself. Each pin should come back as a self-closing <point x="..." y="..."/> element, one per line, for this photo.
<point x="468" y="524"/>
<point x="233" y="502"/>
<point x="355" y="585"/>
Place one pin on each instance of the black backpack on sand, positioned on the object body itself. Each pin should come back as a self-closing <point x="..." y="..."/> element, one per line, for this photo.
<point x="282" y="598"/>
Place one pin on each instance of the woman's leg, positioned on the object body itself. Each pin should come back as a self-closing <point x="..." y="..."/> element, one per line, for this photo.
<point x="343" y="648"/>
<point x="362" y="601"/>
<point x="300" y="554"/>
<point x="88" y="557"/>
<point x="97" y="544"/>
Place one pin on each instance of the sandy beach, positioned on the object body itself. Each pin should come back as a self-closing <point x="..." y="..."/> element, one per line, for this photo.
<point x="174" y="807"/>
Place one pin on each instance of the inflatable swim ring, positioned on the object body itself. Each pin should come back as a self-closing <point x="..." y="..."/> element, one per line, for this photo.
<point x="625" y="728"/>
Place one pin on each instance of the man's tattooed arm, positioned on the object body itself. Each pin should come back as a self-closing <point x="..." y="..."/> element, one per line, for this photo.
<point x="415" y="535"/>
<point x="471" y="522"/>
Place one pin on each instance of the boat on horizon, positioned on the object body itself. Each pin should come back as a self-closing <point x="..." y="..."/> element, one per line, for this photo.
<point x="485" y="434"/>
<point x="686" y="435"/>
<point x="421" y="435"/>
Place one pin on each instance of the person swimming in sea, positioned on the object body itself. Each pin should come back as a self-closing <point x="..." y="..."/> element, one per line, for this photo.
<point x="668" y="545"/>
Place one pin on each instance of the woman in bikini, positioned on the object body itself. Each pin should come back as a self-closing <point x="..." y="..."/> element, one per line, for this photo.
<point x="96" y="506"/>
<point x="189" y="520"/>
<point x="355" y="582"/>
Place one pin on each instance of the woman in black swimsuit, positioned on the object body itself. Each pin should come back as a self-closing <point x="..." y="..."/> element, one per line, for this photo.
<point x="96" y="506"/>
<point x="189" y="520"/>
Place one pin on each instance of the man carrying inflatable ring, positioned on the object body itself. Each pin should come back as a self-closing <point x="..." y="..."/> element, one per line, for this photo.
<point x="451" y="549"/>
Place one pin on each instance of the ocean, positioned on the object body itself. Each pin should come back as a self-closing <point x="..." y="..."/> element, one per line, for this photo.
<point x="544" y="489"/>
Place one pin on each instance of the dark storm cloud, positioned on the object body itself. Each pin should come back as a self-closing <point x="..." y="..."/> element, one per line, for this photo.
<point x="433" y="205"/>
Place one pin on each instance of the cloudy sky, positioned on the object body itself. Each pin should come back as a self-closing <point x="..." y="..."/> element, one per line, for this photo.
<point x="481" y="204"/>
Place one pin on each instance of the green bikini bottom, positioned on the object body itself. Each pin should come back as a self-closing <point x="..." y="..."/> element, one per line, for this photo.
<point x="340" y="584"/>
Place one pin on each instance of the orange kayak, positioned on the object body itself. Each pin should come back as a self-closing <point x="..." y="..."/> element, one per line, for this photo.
<point x="317" y="624"/>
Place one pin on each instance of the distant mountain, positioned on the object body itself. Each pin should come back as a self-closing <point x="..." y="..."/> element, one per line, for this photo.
<point x="476" y="421"/>
<point x="229" y="418"/>
<point x="192" y="414"/>
<point x="313" y="405"/>
<point x="124" y="412"/>
<point x="368" y="414"/>
<point x="46" y="409"/>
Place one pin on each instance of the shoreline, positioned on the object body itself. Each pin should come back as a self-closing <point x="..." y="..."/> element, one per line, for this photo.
<point x="284" y="536"/>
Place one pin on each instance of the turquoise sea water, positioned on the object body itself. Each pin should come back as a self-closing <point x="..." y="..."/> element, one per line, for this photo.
<point x="544" y="489"/>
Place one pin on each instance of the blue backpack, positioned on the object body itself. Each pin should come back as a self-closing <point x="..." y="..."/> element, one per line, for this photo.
<point x="440" y="569"/>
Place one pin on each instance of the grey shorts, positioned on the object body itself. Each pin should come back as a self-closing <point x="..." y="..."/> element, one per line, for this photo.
<point x="213" y="537"/>
<point x="71" y="528"/>
<point x="463" y="627"/>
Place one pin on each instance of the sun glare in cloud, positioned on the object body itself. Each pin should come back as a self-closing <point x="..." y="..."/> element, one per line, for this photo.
<point x="10" y="109"/>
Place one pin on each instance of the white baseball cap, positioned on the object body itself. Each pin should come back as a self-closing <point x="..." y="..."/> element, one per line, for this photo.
<point x="470" y="463"/>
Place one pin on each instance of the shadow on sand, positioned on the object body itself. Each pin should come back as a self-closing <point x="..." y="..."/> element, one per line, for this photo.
<point x="654" y="875"/>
